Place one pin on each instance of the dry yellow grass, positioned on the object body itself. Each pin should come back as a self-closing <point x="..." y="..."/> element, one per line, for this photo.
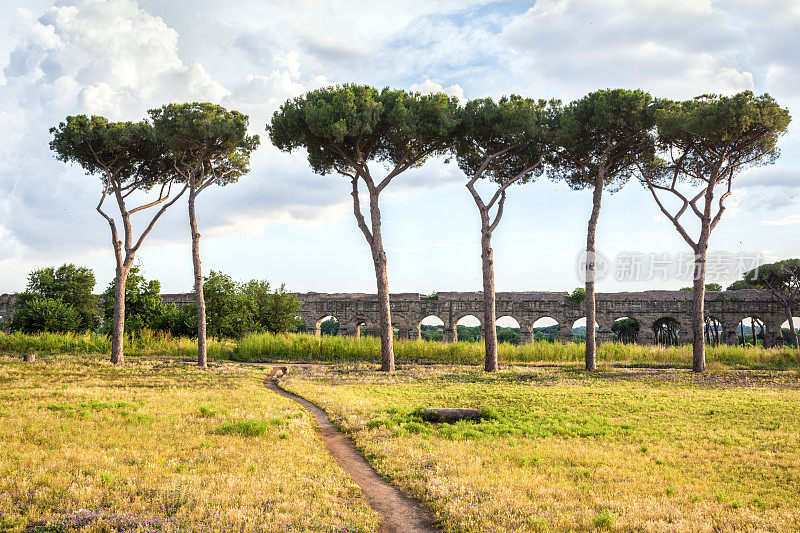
<point x="624" y="450"/>
<point x="162" y="446"/>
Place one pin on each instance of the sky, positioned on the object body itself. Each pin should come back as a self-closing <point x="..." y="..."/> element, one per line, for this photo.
<point x="283" y="223"/>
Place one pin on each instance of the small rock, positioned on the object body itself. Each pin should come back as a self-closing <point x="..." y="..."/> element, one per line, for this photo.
<point x="448" y="416"/>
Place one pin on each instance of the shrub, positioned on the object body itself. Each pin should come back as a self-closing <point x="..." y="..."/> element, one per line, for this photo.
<point x="578" y="295"/>
<point x="39" y="314"/>
<point x="144" y="306"/>
<point x="68" y="284"/>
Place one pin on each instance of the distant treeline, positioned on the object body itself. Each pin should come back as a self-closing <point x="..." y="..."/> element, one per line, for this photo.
<point x="60" y="300"/>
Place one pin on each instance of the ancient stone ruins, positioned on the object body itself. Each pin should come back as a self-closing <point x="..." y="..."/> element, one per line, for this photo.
<point x="352" y="310"/>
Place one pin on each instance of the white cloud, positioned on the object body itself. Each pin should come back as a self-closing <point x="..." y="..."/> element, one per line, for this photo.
<point x="112" y="58"/>
<point x="733" y="202"/>
<point x="122" y="58"/>
<point x="676" y="49"/>
<point x="788" y="220"/>
<point x="429" y="87"/>
<point x="771" y="187"/>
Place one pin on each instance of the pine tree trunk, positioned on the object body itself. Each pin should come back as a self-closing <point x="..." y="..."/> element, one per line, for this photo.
<point x="699" y="292"/>
<point x="698" y="312"/>
<point x="489" y="307"/>
<point x="382" y="279"/>
<point x="792" y="330"/>
<point x="118" y="332"/>
<point x="590" y="305"/>
<point x="202" y="357"/>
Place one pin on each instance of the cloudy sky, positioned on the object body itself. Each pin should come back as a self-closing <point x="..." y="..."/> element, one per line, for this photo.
<point x="282" y="223"/>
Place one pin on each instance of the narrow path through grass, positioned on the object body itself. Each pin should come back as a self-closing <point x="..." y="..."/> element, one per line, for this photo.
<point x="622" y="449"/>
<point x="400" y="513"/>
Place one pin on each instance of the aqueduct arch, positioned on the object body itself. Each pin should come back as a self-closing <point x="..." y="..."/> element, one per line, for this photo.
<point x="646" y="308"/>
<point x="409" y="309"/>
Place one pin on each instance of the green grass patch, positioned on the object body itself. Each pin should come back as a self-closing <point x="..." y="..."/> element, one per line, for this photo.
<point x="626" y="449"/>
<point x="85" y="409"/>
<point x="248" y="428"/>
<point x="92" y="447"/>
<point x="495" y="423"/>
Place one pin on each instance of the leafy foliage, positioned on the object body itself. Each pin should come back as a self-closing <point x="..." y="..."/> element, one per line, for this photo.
<point x="227" y="313"/>
<point x="128" y="150"/>
<point x="46" y="314"/>
<point x="235" y="309"/>
<point x="578" y="295"/>
<point x="143" y="304"/>
<point x="714" y="287"/>
<point x="69" y="285"/>
<point x="743" y="284"/>
<point x="431" y="333"/>
<point x="625" y="330"/>
<point x="720" y="135"/>
<point x="468" y="333"/>
<point x="178" y="321"/>
<point x="329" y="327"/>
<point x="205" y="141"/>
<point x="604" y="134"/>
<point x="507" y="335"/>
<point x="343" y="127"/>
<point x="547" y="333"/>
<point x="273" y="311"/>
<point x="782" y="276"/>
<point x="506" y="139"/>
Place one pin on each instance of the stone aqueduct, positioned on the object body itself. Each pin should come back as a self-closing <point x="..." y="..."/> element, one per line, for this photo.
<point x="409" y="309"/>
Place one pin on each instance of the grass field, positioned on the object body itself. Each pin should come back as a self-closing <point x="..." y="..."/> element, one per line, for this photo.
<point x="621" y="450"/>
<point x="308" y="348"/>
<point x="162" y="446"/>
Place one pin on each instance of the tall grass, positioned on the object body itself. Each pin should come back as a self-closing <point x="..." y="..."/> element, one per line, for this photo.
<point x="144" y="343"/>
<point x="308" y="348"/>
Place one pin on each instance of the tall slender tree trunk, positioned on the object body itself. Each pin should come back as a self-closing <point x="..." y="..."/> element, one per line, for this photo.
<point x="792" y="330"/>
<point x="489" y="307"/>
<point x="590" y="305"/>
<point x="118" y="332"/>
<point x="202" y="357"/>
<point x="699" y="284"/>
<point x="698" y="312"/>
<point x="382" y="279"/>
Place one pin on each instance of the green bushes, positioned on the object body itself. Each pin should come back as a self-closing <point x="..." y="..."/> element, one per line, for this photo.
<point x="235" y="309"/>
<point x="57" y="299"/>
<point x="144" y="307"/>
<point x="46" y="314"/>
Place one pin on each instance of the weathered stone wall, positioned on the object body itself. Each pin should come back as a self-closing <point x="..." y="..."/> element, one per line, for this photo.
<point x="409" y="309"/>
<point x="6" y="309"/>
